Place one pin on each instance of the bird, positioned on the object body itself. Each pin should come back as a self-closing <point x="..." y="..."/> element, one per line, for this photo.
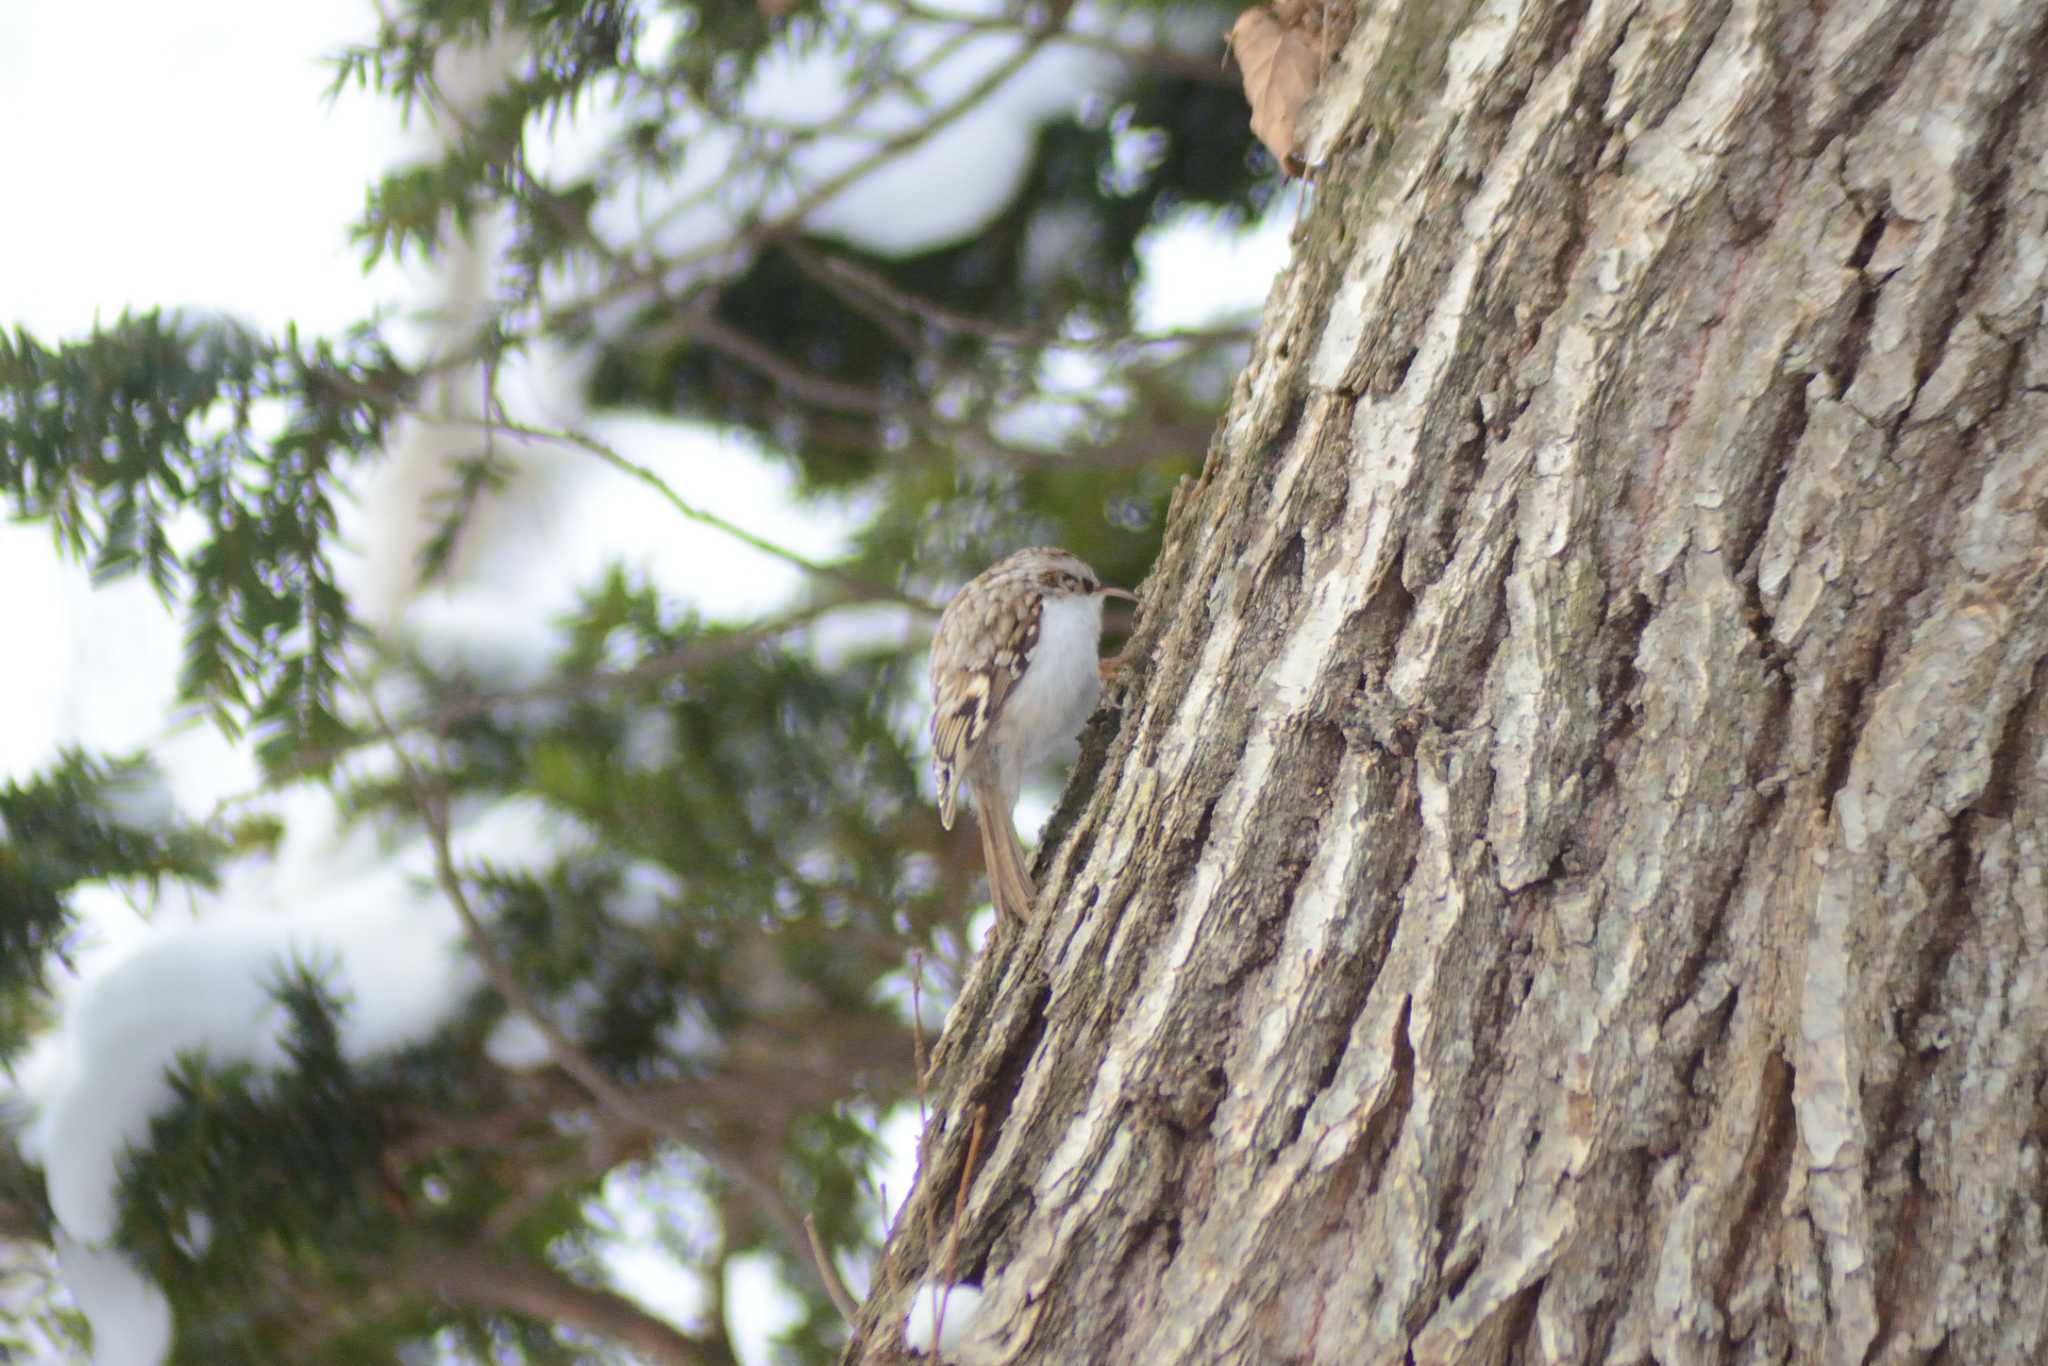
<point x="1015" y="670"/>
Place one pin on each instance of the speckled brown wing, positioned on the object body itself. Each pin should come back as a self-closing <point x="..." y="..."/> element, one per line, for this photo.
<point x="980" y="651"/>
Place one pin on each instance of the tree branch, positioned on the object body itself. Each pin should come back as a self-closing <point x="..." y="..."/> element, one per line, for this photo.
<point x="1189" y="66"/>
<point x="575" y="687"/>
<point x="822" y="193"/>
<point x="859" y="587"/>
<point x="700" y="324"/>
<point x="562" y="1050"/>
<point x="835" y="1288"/>
<point x="479" y="1279"/>
<point x="856" y="284"/>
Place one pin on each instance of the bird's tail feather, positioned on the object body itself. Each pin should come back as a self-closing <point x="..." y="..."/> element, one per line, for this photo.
<point x="1009" y="878"/>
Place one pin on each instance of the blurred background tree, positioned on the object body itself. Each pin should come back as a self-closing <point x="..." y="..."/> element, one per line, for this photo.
<point x="646" y="919"/>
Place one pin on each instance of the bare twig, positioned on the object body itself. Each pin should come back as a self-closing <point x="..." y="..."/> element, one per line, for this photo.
<point x="835" y="1288"/>
<point x="698" y="654"/>
<point x="862" y="289"/>
<point x="481" y="1279"/>
<point x="849" y="279"/>
<point x="959" y="1213"/>
<point x="853" y="583"/>
<point x="715" y="1286"/>
<point x="917" y="1021"/>
<point x="702" y="325"/>
<point x="918" y="1058"/>
<point x="818" y="266"/>
<point x="497" y="971"/>
<point x="562" y="1050"/>
<point x="1163" y="59"/>
<point x="841" y="123"/>
<point x="822" y="193"/>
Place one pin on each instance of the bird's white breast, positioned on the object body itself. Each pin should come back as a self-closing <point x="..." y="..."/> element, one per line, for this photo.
<point x="1060" y="686"/>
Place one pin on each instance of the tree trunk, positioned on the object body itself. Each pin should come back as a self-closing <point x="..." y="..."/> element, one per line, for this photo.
<point x="1566" y="880"/>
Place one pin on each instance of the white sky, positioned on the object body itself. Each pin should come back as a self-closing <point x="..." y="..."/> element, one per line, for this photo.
<point x="167" y="167"/>
<point x="181" y="154"/>
<point x="184" y="155"/>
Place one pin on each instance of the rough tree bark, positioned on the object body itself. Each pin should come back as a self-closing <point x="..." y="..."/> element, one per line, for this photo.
<point x="1566" y="879"/>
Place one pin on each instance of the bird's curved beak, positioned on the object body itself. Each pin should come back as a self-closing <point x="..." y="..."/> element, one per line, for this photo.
<point x="1126" y="594"/>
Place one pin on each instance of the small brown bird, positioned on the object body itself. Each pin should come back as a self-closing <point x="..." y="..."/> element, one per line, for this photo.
<point x="1015" y="671"/>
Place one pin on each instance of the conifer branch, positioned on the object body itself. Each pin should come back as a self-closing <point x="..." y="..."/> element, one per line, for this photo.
<point x="563" y="1051"/>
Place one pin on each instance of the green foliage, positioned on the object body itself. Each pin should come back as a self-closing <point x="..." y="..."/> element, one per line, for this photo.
<point x="77" y="823"/>
<point x="870" y="352"/>
<point x="733" y="813"/>
<point x="573" y="54"/>
<point x="258" y="1176"/>
<point x="165" y="429"/>
<point x="36" y="1332"/>
<point x="264" y="1189"/>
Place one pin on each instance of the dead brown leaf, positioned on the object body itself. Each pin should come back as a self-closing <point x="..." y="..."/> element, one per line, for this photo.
<point x="1281" y="62"/>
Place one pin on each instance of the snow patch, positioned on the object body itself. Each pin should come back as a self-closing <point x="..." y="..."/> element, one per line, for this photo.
<point x="386" y="943"/>
<point x="759" y="1307"/>
<point x="517" y="1044"/>
<point x="941" y="1313"/>
<point x="649" y="741"/>
<point x="646" y="891"/>
<point x="140" y="799"/>
<point x="130" y="1318"/>
<point x="691" y="1036"/>
<point x="197" y="1236"/>
<point x="205" y="987"/>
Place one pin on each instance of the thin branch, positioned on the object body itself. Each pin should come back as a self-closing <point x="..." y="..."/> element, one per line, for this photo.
<point x="840" y="124"/>
<point x="1172" y="62"/>
<point x="835" y="1288"/>
<point x="698" y="654"/>
<point x="562" y="1050"/>
<point x="703" y="326"/>
<point x="840" y="273"/>
<point x="876" y="297"/>
<point x="497" y="971"/>
<point x="959" y="1213"/>
<point x="715" y="1286"/>
<point x="822" y="193"/>
<point x="816" y="265"/>
<point x="859" y="587"/>
<point x="492" y="1281"/>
